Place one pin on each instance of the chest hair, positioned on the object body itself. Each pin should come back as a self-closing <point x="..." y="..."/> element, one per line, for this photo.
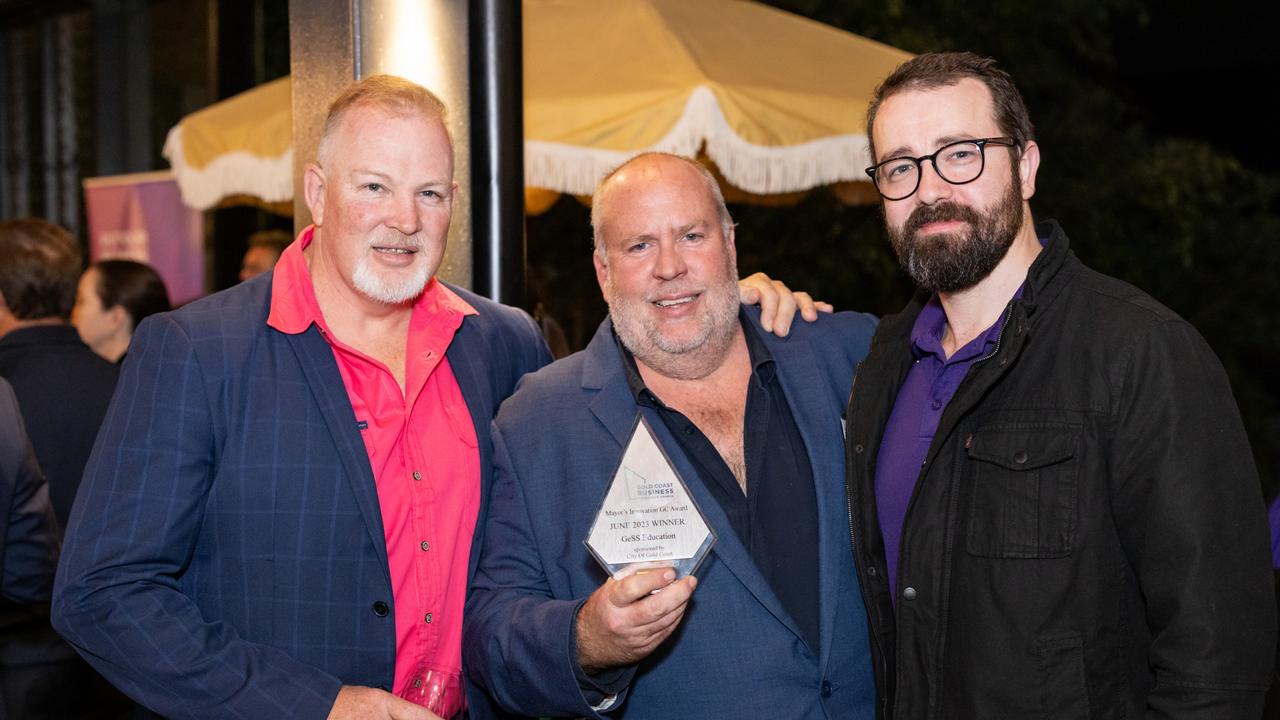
<point x="721" y="416"/>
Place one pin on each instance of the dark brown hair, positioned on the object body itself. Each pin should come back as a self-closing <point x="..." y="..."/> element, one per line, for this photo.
<point x="39" y="269"/>
<point x="134" y="286"/>
<point x="933" y="70"/>
<point x="274" y="240"/>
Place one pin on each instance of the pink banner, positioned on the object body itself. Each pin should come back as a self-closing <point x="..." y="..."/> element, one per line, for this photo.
<point x="141" y="217"/>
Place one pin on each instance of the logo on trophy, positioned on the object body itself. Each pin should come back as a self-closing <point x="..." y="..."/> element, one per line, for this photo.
<point x="648" y="519"/>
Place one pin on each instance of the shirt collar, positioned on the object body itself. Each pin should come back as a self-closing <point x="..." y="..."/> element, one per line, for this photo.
<point x="294" y="307"/>
<point x="931" y="325"/>
<point x="762" y="362"/>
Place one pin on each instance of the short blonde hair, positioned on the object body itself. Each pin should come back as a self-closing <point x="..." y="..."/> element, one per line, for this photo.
<point x="393" y="95"/>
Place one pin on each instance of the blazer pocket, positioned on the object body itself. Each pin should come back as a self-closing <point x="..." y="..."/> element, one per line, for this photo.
<point x="1023" y="492"/>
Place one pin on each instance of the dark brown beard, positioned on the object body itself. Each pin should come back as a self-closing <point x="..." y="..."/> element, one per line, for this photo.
<point x="950" y="262"/>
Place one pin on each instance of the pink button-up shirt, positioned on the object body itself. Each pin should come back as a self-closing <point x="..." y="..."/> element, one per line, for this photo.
<point x="422" y="450"/>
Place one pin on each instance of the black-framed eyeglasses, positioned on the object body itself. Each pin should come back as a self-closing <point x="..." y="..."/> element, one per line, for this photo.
<point x="958" y="163"/>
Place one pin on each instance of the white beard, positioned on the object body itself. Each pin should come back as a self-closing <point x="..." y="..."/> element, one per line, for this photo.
<point x="688" y="358"/>
<point x="390" y="288"/>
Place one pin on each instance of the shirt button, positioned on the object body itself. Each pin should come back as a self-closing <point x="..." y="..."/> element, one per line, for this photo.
<point x="857" y="449"/>
<point x="381" y="609"/>
<point x="417" y="475"/>
<point x="826" y="689"/>
<point x="688" y="430"/>
<point x="1020" y="457"/>
<point x="871" y="571"/>
<point x="425" y="546"/>
<point x="427" y="618"/>
<point x="937" y="403"/>
<point x="909" y="594"/>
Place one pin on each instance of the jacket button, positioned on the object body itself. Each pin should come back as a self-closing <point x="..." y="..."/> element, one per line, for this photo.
<point x="381" y="609"/>
<point x="826" y="689"/>
<point x="909" y="594"/>
<point x="1020" y="457"/>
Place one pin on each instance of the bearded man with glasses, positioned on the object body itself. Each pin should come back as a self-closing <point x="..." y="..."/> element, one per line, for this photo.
<point x="1055" y="508"/>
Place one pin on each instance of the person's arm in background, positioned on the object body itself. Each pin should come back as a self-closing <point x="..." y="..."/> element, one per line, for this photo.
<point x="28" y="530"/>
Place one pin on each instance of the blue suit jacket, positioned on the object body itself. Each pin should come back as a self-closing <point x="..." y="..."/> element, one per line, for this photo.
<point x="737" y="654"/>
<point x="226" y="552"/>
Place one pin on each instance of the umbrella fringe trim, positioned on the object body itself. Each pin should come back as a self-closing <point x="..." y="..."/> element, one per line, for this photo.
<point x="235" y="173"/>
<point x="760" y="169"/>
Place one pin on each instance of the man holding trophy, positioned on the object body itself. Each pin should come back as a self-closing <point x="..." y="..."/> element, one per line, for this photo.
<point x="683" y="448"/>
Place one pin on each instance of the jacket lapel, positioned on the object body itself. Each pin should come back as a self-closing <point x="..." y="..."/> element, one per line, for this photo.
<point x="322" y="375"/>
<point x="466" y="359"/>
<point x="615" y="408"/>
<point x="809" y="397"/>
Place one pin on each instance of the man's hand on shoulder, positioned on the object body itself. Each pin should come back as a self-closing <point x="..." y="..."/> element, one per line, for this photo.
<point x="778" y="303"/>
<point x="625" y="620"/>
<point x="365" y="703"/>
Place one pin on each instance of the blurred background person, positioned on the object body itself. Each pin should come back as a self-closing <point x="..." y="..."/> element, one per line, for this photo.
<point x="112" y="298"/>
<point x="264" y="250"/>
<point x="63" y="388"/>
<point x="28" y="531"/>
<point x="28" y="556"/>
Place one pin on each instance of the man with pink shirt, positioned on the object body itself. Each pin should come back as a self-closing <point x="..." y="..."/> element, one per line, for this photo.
<point x="278" y="517"/>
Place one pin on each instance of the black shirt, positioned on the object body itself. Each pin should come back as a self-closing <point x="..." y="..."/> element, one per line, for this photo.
<point x="776" y="519"/>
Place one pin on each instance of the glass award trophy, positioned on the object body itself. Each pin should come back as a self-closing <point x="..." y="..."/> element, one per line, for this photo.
<point x="648" y="518"/>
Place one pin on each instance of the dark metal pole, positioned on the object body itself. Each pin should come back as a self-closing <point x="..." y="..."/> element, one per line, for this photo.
<point x="497" y="144"/>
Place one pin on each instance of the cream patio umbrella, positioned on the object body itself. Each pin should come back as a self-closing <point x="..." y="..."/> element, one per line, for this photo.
<point x="778" y="102"/>
<point x="238" y="148"/>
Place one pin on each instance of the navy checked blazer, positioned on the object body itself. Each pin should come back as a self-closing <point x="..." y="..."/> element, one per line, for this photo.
<point x="225" y="556"/>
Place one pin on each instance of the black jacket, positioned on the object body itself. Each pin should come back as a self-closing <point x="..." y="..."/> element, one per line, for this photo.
<point x="1087" y="536"/>
<point x="63" y="389"/>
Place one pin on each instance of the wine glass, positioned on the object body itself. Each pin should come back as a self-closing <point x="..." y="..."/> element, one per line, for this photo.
<point x="437" y="690"/>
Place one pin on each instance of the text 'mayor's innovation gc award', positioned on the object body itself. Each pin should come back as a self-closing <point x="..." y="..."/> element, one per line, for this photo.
<point x="648" y="518"/>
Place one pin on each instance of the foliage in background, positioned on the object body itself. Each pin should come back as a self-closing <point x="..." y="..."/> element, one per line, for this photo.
<point x="1180" y="218"/>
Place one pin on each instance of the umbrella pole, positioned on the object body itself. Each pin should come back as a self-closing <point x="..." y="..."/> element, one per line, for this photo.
<point x="497" y="161"/>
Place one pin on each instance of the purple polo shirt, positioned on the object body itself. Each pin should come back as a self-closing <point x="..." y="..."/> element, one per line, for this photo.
<point x="1274" y="518"/>
<point x="930" y="385"/>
